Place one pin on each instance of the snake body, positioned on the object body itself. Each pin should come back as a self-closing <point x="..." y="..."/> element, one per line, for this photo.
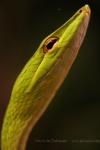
<point x="40" y="79"/>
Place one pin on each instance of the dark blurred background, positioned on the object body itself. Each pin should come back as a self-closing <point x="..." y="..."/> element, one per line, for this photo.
<point x="72" y="120"/>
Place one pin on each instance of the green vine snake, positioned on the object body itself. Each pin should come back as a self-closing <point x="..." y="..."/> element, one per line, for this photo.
<point x="40" y="79"/>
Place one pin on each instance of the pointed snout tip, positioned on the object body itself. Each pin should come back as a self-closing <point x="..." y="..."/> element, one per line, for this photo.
<point x="86" y="9"/>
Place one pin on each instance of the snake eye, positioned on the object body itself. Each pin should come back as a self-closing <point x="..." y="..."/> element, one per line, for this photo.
<point x="49" y="44"/>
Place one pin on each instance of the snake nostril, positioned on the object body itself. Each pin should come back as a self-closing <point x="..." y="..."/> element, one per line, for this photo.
<point x="80" y="11"/>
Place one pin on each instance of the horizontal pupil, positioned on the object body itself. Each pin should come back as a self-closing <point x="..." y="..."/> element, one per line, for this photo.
<point x="51" y="43"/>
